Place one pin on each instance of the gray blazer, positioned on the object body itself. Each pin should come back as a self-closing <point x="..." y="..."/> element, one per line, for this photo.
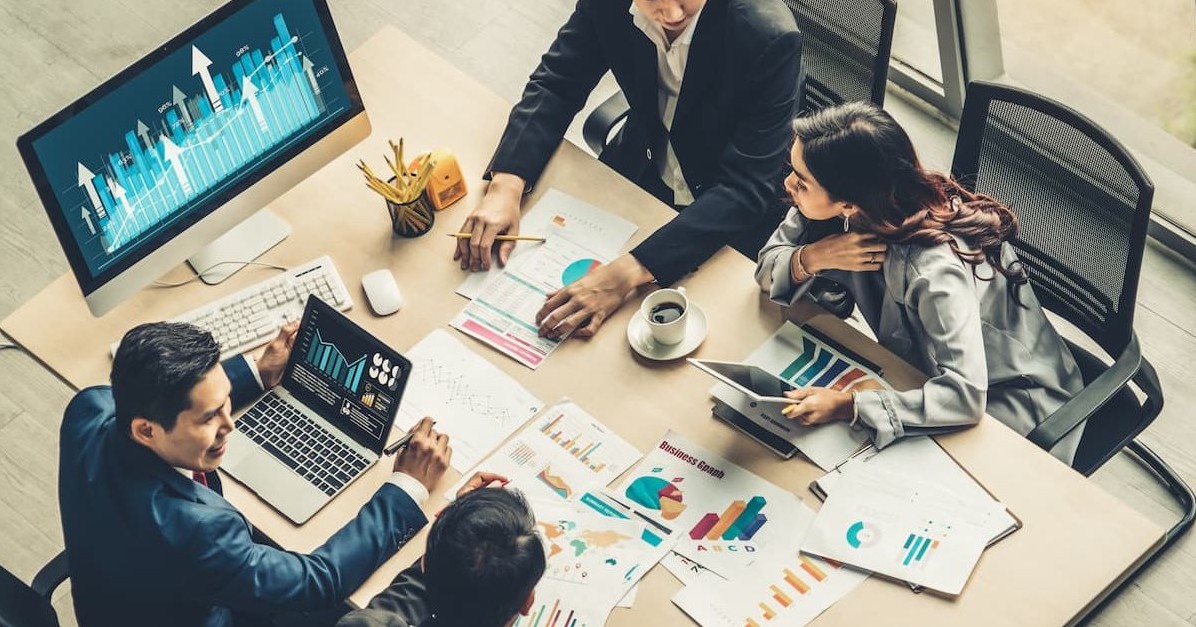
<point x="402" y="604"/>
<point x="982" y="351"/>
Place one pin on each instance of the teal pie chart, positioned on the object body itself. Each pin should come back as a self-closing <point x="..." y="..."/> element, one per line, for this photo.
<point x="578" y="269"/>
<point x="862" y="535"/>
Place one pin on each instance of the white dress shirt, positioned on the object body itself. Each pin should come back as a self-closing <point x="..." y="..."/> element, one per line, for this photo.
<point x="670" y="67"/>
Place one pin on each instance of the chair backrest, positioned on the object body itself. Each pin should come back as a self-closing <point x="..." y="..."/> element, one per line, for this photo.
<point x="845" y="50"/>
<point x="21" y="606"/>
<point x="1082" y="200"/>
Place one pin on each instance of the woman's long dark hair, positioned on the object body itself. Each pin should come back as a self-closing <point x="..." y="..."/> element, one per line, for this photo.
<point x="859" y="153"/>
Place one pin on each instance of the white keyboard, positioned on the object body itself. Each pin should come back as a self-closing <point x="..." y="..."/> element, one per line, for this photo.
<point x="252" y="316"/>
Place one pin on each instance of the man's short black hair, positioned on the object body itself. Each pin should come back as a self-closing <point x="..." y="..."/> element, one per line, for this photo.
<point x="483" y="558"/>
<point x="155" y="368"/>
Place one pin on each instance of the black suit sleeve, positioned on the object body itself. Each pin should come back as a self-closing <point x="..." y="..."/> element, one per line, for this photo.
<point x="747" y="187"/>
<point x="557" y="90"/>
<point x="401" y="604"/>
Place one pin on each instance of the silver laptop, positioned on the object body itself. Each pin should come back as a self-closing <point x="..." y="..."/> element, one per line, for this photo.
<point x="326" y="423"/>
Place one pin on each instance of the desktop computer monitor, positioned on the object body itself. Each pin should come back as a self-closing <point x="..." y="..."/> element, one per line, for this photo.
<point x="176" y="156"/>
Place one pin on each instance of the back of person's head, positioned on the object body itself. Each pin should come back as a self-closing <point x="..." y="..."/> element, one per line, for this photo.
<point x="483" y="559"/>
<point x="862" y="156"/>
<point x="155" y="368"/>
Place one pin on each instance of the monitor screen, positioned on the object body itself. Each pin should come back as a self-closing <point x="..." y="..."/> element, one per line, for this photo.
<point x="347" y="375"/>
<point x="170" y="139"/>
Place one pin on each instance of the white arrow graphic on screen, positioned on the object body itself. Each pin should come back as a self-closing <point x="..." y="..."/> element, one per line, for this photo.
<point x="87" y="218"/>
<point x="143" y="131"/>
<point x="249" y="92"/>
<point x="311" y="77"/>
<point x="199" y="65"/>
<point x="180" y="101"/>
<point x="121" y="196"/>
<point x="85" y="177"/>
<point x="171" y="153"/>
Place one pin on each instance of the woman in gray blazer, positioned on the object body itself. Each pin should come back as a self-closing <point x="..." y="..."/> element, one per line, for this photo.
<point x="929" y="266"/>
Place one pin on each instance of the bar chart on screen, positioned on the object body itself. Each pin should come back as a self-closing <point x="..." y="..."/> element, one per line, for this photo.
<point x="327" y="358"/>
<point x="191" y="126"/>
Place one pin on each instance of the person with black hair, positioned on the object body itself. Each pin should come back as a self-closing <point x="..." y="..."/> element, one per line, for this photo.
<point x="930" y="266"/>
<point x="483" y="561"/>
<point x="149" y="537"/>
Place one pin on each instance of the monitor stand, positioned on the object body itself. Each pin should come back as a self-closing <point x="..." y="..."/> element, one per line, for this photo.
<point x="243" y="243"/>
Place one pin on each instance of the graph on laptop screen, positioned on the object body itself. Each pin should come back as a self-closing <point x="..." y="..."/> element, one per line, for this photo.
<point x="338" y="368"/>
<point x="189" y="127"/>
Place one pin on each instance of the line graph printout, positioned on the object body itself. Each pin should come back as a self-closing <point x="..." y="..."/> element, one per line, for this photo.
<point x="560" y="455"/>
<point x="472" y="401"/>
<point x="150" y="153"/>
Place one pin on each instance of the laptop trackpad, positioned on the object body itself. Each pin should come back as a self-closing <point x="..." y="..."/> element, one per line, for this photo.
<point x="279" y="486"/>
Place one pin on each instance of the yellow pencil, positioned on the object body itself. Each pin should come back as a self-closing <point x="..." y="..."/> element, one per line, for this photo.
<point x="501" y="238"/>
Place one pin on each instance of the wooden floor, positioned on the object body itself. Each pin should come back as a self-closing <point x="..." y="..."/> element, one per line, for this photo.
<point x="53" y="55"/>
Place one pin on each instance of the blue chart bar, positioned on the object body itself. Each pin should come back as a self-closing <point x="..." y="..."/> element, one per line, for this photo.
<point x="327" y="358"/>
<point x="200" y="142"/>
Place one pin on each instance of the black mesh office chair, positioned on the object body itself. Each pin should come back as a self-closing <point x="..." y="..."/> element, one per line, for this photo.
<point x="29" y="605"/>
<point x="845" y="57"/>
<point x="1084" y="205"/>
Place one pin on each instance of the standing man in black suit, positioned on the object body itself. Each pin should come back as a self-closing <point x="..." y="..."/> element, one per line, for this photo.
<point x="713" y="86"/>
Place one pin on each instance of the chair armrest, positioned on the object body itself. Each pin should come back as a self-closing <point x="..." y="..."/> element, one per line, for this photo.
<point x="1090" y="399"/>
<point x="1148" y="381"/>
<point x="51" y="576"/>
<point x="599" y="123"/>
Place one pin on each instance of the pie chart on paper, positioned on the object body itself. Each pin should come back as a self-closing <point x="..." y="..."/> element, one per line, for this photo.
<point x="578" y="269"/>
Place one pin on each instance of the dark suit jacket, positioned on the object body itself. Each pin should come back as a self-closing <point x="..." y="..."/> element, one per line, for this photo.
<point x="148" y="546"/>
<point x="402" y="604"/>
<point x="730" y="133"/>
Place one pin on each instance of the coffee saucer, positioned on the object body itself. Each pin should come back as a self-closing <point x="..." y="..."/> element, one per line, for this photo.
<point x="640" y="337"/>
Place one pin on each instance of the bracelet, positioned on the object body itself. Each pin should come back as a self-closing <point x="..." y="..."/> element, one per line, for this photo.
<point x="800" y="267"/>
<point x="855" y="412"/>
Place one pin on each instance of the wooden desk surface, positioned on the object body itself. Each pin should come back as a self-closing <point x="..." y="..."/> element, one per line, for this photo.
<point x="1077" y="540"/>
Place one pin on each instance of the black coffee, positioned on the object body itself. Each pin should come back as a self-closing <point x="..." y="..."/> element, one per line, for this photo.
<point x="665" y="313"/>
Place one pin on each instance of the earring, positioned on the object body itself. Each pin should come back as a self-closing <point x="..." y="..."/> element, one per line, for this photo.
<point x="846" y="223"/>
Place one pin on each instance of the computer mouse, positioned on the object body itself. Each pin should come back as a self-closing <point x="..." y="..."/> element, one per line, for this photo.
<point x="382" y="291"/>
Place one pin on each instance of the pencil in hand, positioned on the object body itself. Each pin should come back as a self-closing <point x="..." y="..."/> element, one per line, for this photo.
<point x="502" y="238"/>
<point x="400" y="443"/>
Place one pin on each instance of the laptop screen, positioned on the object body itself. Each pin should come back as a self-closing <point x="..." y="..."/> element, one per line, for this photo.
<point x="346" y="375"/>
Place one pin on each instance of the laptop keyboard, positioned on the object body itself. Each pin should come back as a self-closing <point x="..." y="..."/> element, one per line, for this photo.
<point x="301" y="443"/>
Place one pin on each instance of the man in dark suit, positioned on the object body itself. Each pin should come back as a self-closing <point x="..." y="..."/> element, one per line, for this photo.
<point x="150" y="540"/>
<point x="481" y="568"/>
<point x="712" y="85"/>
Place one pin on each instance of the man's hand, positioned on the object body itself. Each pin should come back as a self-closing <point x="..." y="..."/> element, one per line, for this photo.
<point x="587" y="302"/>
<point x="482" y="479"/>
<point x="854" y="252"/>
<point x="273" y="361"/>
<point x="815" y="406"/>
<point x="497" y="214"/>
<point x="426" y="456"/>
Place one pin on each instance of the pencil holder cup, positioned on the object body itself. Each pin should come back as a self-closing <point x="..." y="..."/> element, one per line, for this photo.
<point x="411" y="219"/>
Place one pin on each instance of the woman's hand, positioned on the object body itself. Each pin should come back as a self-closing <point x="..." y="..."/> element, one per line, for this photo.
<point x="592" y="298"/>
<point x="854" y="252"/>
<point x="815" y="406"/>
<point x="497" y="214"/>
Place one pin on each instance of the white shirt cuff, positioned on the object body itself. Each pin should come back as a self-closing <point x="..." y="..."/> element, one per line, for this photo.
<point x="411" y="486"/>
<point x="257" y="376"/>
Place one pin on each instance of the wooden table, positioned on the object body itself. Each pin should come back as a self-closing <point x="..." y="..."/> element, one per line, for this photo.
<point x="1077" y="542"/>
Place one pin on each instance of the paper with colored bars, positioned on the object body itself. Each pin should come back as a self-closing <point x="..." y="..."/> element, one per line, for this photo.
<point x="472" y="401"/>
<point x="805" y="359"/>
<point x="503" y="315"/>
<point x="559" y="455"/>
<point x="783" y="587"/>
<point x="782" y="591"/>
<point x="722" y="513"/>
<point x="557" y="212"/>
<point x="903" y="528"/>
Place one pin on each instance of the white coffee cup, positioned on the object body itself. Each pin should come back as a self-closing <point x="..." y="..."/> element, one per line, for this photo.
<point x="667" y="313"/>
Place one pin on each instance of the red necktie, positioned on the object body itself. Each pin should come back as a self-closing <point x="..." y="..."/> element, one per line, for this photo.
<point x="200" y="478"/>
